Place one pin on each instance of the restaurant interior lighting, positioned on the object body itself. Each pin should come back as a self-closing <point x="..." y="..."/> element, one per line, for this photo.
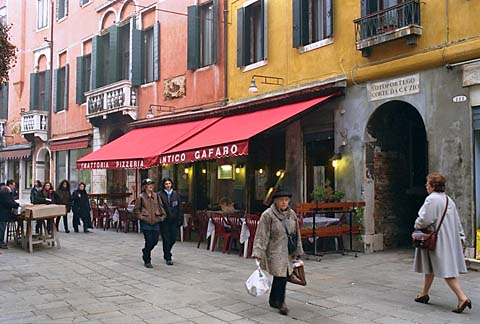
<point x="335" y="158"/>
<point x="265" y="79"/>
<point x="260" y="171"/>
<point x="204" y="171"/>
<point x="186" y="170"/>
<point x="237" y="170"/>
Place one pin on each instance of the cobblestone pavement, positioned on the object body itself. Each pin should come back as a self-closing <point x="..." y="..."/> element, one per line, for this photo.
<point x="100" y="278"/>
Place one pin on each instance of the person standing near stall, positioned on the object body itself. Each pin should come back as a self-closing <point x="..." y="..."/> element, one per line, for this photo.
<point x="45" y="196"/>
<point x="270" y="246"/>
<point x="168" y="228"/>
<point x="81" y="208"/>
<point x="7" y="203"/>
<point x="64" y="197"/>
<point x="149" y="210"/>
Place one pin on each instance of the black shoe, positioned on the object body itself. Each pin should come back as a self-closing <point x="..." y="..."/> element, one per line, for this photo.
<point x="76" y="230"/>
<point x="422" y="299"/>
<point x="169" y="262"/>
<point x="274" y="305"/>
<point x="460" y="308"/>
<point x="4" y="246"/>
<point x="86" y="231"/>
<point x="283" y="310"/>
<point x="67" y="231"/>
<point x="148" y="265"/>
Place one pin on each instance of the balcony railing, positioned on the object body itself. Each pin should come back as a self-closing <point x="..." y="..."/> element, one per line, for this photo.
<point x="34" y="123"/>
<point x="116" y="97"/>
<point x="402" y="20"/>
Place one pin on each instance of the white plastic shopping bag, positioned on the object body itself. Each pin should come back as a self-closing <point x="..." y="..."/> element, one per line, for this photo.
<point x="258" y="283"/>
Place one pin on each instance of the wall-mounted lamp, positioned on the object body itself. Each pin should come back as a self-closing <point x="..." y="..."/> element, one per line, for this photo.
<point x="204" y="171"/>
<point x="260" y="171"/>
<point x="150" y="113"/>
<point x="238" y="168"/>
<point x="186" y="170"/>
<point x="264" y="80"/>
<point x="335" y="158"/>
<point x="280" y="173"/>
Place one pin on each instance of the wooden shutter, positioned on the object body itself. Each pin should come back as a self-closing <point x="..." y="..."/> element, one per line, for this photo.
<point x="137" y="62"/>
<point x="79" y="90"/>
<point x="216" y="28"/>
<point x="65" y="92"/>
<point x="95" y="72"/>
<point x="300" y="23"/>
<point x="193" y="35"/>
<point x="241" y="41"/>
<point x="264" y="37"/>
<point x="114" y="53"/>
<point x="4" y="112"/>
<point x="48" y="89"/>
<point x="34" y="91"/>
<point x="156" y="51"/>
<point x="56" y="97"/>
<point x="329" y="16"/>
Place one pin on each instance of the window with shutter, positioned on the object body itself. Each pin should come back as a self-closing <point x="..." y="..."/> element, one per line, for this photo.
<point x="206" y="34"/>
<point x="149" y="55"/>
<point x="202" y="35"/>
<point x="42" y="85"/>
<point x="124" y="52"/>
<point x="4" y="101"/>
<point x="62" y="9"/>
<point x="84" y="2"/>
<point x="251" y="33"/>
<point x="312" y="21"/>
<point x="42" y="13"/>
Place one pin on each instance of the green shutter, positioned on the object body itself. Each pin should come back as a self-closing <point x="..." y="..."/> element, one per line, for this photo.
<point x="300" y="22"/>
<point x="114" y="52"/>
<point x="156" y="51"/>
<point x="34" y="91"/>
<point x="79" y="96"/>
<point x="329" y="22"/>
<point x="263" y="11"/>
<point x="96" y="71"/>
<point x="4" y="112"/>
<point x="215" y="32"/>
<point x="193" y="34"/>
<point x="65" y="92"/>
<point x="56" y="97"/>
<point x="241" y="43"/>
<point x="137" y="63"/>
<point x="48" y="89"/>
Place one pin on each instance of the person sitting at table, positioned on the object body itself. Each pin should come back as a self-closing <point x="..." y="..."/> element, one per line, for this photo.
<point x="148" y="208"/>
<point x="45" y="196"/>
<point x="171" y="203"/>
<point x="6" y="204"/>
<point x="226" y="204"/>
<point x="81" y="209"/>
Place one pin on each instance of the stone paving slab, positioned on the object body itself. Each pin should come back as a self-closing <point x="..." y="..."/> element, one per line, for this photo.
<point x="100" y="278"/>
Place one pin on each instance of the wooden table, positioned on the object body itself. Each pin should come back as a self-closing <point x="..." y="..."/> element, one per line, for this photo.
<point x="30" y="239"/>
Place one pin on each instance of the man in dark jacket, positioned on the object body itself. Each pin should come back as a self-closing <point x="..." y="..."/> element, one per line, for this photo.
<point x="6" y="204"/>
<point x="168" y="228"/>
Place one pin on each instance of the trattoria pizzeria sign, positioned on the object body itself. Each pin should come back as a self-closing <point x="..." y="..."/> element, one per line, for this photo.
<point x="115" y="164"/>
<point x="393" y="87"/>
<point x="208" y="153"/>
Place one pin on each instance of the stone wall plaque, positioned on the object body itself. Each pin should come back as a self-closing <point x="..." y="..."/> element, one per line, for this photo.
<point x="174" y="87"/>
<point x="394" y="87"/>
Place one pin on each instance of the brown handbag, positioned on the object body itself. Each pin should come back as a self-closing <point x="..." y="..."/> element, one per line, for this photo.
<point x="298" y="274"/>
<point x="427" y="239"/>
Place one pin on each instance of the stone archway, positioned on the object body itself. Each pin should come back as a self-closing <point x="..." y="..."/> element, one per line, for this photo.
<point x="42" y="165"/>
<point x="396" y="160"/>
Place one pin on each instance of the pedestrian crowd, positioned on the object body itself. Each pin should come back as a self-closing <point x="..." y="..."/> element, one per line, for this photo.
<point x="277" y="243"/>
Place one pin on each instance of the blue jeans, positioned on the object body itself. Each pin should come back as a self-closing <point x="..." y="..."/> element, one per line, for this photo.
<point x="3" y="226"/>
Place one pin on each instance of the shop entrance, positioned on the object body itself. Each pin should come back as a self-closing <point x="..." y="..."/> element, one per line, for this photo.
<point x="396" y="159"/>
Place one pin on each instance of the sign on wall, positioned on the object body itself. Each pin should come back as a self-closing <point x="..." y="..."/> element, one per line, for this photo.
<point x="393" y="87"/>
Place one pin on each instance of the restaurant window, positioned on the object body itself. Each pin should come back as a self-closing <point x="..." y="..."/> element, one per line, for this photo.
<point x="319" y="169"/>
<point x="251" y="33"/>
<point x="149" y="55"/>
<point x="312" y="21"/>
<point x="40" y="90"/>
<point x="62" y="9"/>
<point x="202" y="35"/>
<point x="42" y="13"/>
<point x="75" y="176"/>
<point x="84" y="70"/>
<point x="28" y="174"/>
<point x="61" y="89"/>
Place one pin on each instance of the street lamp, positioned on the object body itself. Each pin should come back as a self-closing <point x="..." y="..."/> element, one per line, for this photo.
<point x="265" y="79"/>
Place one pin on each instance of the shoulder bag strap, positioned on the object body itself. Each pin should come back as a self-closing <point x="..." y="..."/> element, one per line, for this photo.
<point x="443" y="216"/>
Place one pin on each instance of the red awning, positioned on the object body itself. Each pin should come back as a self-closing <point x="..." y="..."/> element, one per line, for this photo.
<point x="229" y="136"/>
<point x="140" y="148"/>
<point x="69" y="144"/>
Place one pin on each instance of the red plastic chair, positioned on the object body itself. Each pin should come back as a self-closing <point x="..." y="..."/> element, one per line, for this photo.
<point x="218" y="220"/>
<point x="96" y="215"/>
<point x="107" y="216"/>
<point x="252" y="223"/>
<point x="202" y="218"/>
<point x="125" y="220"/>
<point x="235" y="222"/>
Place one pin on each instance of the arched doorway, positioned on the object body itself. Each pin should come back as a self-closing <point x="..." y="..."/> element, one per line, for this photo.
<point x="116" y="179"/>
<point x="42" y="165"/>
<point x="396" y="158"/>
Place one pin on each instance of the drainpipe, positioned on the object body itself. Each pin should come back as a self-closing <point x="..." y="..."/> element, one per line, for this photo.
<point x="225" y="59"/>
<point x="50" y="109"/>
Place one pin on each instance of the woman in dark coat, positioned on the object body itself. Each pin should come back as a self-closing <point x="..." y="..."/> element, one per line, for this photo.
<point x="168" y="228"/>
<point x="45" y="196"/>
<point x="64" y="197"/>
<point x="81" y="208"/>
<point x="447" y="260"/>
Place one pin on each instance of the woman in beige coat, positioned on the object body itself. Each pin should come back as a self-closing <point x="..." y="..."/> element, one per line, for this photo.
<point x="271" y="245"/>
<point x="447" y="260"/>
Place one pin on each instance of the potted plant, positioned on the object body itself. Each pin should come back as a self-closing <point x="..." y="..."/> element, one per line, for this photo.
<point x="327" y="194"/>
